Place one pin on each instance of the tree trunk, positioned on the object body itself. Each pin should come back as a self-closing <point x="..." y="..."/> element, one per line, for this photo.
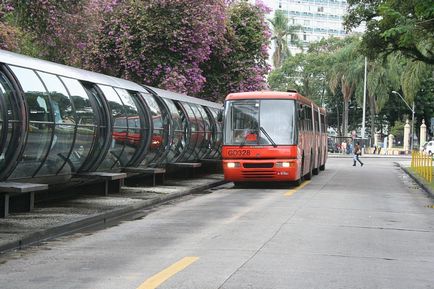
<point x="337" y="120"/>
<point x="347" y="91"/>
<point x="345" y="117"/>
<point x="372" y="112"/>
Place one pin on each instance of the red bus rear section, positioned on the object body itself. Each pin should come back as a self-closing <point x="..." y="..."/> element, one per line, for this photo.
<point x="273" y="136"/>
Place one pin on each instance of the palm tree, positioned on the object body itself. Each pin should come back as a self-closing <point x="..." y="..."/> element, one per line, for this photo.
<point x="346" y="73"/>
<point x="383" y="74"/>
<point x="412" y="76"/>
<point x="281" y="31"/>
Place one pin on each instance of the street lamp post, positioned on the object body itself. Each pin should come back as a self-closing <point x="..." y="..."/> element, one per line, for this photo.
<point x="364" y="101"/>
<point x="412" y="118"/>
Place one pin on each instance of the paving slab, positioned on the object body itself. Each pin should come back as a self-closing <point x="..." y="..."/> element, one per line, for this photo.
<point x="51" y="220"/>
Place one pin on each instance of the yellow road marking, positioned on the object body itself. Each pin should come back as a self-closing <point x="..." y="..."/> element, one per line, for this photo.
<point x="159" y="278"/>
<point x="291" y="192"/>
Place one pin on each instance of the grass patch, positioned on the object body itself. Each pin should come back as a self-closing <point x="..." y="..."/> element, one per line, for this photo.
<point x="430" y="185"/>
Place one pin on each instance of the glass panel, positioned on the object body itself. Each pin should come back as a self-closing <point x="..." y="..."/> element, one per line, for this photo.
<point x="212" y="134"/>
<point x="65" y="125"/>
<point x="120" y="128"/>
<point x="83" y="108"/>
<point x="103" y="138"/>
<point x="278" y="121"/>
<point x="134" y="134"/>
<point x="242" y="121"/>
<point x="141" y="128"/>
<point x="85" y="118"/>
<point x="191" y="153"/>
<point x="5" y="113"/>
<point x="12" y="133"/>
<point x="218" y="134"/>
<point x="262" y="122"/>
<point x="41" y="125"/>
<point x="157" y="143"/>
<point x="178" y="143"/>
<point x="208" y="128"/>
<point x="201" y="141"/>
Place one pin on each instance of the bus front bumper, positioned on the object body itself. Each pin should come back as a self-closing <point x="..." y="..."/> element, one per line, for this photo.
<point x="276" y="170"/>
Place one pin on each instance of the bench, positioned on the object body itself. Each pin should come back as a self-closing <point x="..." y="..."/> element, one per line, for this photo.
<point x="147" y="171"/>
<point x="187" y="165"/>
<point x="18" y="197"/>
<point x="190" y="168"/>
<point x="108" y="178"/>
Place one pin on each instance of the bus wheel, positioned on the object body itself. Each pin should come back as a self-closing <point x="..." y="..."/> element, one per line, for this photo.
<point x="297" y="182"/>
<point x="238" y="184"/>
<point x="316" y="170"/>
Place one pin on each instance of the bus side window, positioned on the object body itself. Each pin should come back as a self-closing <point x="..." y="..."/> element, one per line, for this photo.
<point x="308" y="119"/>
<point x="322" y="123"/>
<point x="301" y="118"/>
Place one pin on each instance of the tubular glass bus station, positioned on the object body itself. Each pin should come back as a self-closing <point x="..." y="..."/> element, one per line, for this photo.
<point x="57" y="122"/>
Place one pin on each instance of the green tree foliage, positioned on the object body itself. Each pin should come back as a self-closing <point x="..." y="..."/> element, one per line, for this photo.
<point x="56" y="26"/>
<point x="398" y="130"/>
<point x="395" y="26"/>
<point x="346" y="74"/>
<point x="307" y="72"/>
<point x="327" y="73"/>
<point x="281" y="31"/>
<point x="11" y="37"/>
<point x="383" y="76"/>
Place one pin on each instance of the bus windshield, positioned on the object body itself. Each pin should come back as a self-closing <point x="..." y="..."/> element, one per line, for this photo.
<point x="260" y="122"/>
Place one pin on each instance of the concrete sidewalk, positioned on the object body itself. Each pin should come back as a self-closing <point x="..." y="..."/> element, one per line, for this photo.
<point x="405" y="166"/>
<point x="339" y="155"/>
<point x="60" y="218"/>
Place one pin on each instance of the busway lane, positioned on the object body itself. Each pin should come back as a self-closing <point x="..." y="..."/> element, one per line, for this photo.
<point x="126" y="255"/>
<point x="347" y="228"/>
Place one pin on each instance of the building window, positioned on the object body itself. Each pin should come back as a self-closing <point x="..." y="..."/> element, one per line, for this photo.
<point x="321" y="9"/>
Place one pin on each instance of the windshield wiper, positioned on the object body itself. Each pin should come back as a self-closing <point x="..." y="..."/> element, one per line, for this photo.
<point x="268" y="137"/>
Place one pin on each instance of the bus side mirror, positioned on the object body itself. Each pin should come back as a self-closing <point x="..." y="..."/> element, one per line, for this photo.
<point x="220" y="116"/>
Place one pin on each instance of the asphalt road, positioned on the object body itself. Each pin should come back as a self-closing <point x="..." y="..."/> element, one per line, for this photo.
<point x="350" y="227"/>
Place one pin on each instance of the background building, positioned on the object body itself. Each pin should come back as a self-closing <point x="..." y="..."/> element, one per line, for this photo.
<point x="318" y="19"/>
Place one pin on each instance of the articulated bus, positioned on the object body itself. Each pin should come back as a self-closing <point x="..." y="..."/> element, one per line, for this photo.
<point x="273" y="136"/>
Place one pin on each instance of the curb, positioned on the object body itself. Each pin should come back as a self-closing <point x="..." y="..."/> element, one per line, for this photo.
<point x="99" y="219"/>
<point x="419" y="181"/>
<point x="369" y="156"/>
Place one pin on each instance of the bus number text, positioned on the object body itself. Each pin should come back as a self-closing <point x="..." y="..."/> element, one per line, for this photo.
<point x="238" y="153"/>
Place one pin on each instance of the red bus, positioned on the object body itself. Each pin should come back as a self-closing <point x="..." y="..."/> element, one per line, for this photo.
<point x="273" y="136"/>
<point x="134" y="136"/>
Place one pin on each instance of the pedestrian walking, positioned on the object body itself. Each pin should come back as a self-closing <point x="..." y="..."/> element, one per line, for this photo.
<point x="357" y="152"/>
<point x="344" y="147"/>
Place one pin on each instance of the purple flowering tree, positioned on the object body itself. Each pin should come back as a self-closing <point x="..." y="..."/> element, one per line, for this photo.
<point x="159" y="42"/>
<point x="60" y="28"/>
<point x="239" y="63"/>
<point x="205" y="48"/>
<point x="9" y="35"/>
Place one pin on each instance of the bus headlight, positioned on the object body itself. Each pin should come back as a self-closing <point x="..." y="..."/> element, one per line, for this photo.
<point x="233" y="165"/>
<point x="283" y="165"/>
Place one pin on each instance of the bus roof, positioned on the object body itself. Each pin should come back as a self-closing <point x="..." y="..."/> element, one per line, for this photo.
<point x="266" y="94"/>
